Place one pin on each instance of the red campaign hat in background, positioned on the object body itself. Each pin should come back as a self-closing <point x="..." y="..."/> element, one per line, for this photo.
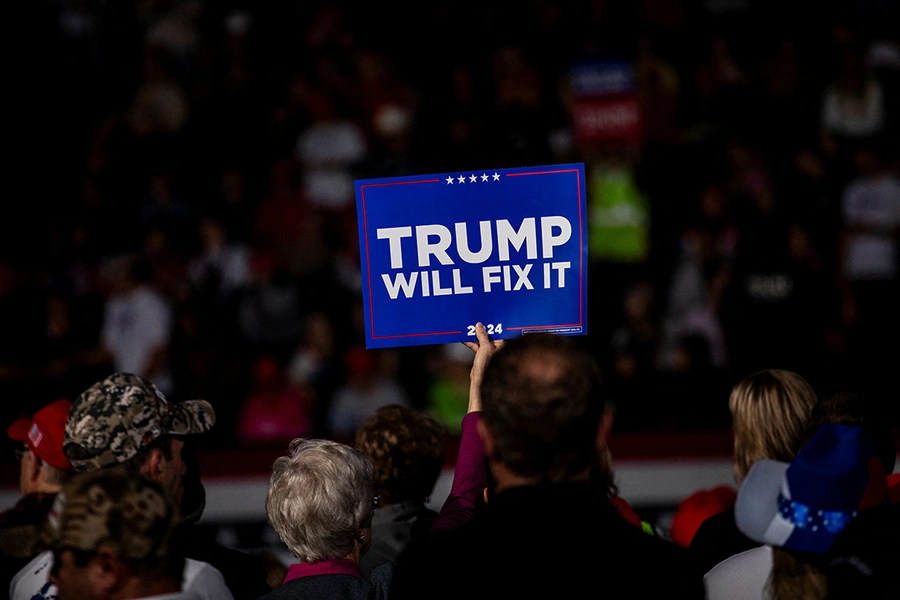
<point x="44" y="433"/>
<point x="696" y="508"/>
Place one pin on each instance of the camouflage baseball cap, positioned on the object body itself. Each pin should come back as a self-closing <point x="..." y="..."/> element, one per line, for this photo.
<point x="128" y="514"/>
<point x="115" y="419"/>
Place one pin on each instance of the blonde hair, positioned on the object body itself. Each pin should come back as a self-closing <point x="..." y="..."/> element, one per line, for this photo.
<point x="769" y="411"/>
<point x="793" y="579"/>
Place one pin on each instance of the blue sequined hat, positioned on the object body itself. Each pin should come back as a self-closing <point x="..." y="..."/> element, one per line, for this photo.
<point x="804" y="504"/>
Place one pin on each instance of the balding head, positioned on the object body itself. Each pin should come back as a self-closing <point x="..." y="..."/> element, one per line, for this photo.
<point x="542" y="405"/>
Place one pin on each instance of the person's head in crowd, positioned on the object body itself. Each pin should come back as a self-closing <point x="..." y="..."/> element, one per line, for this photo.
<point x="43" y="471"/>
<point x="864" y="553"/>
<point x="406" y="447"/>
<point x="542" y="411"/>
<point x="321" y="500"/>
<point x="853" y="408"/>
<point x="799" y="507"/>
<point x="115" y="536"/>
<point x="125" y="422"/>
<point x="769" y="411"/>
<point x="43" y="467"/>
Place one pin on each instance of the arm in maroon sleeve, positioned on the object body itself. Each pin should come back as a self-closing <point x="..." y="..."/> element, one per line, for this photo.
<point x="469" y="476"/>
<point x="469" y="479"/>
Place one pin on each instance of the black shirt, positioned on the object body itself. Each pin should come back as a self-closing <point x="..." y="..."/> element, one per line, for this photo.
<point x="718" y="538"/>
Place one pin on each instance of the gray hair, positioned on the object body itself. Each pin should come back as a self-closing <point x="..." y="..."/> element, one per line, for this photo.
<point x="320" y="494"/>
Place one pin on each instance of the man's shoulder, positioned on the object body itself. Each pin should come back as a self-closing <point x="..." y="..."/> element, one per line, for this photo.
<point x="754" y="559"/>
<point x="629" y="539"/>
<point x="30" y="509"/>
<point x="244" y="573"/>
<point x="205" y="580"/>
<point x="630" y="553"/>
<point x="31" y="582"/>
<point x="176" y="596"/>
<point x="197" y="571"/>
<point x="629" y="563"/>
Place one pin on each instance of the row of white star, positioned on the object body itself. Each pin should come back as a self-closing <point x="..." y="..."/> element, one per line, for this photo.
<point x="473" y="178"/>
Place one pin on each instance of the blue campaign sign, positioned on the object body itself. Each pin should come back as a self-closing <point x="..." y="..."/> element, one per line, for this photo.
<point x="507" y="247"/>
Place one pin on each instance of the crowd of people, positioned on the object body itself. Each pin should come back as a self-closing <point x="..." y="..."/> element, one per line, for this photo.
<point x="533" y="509"/>
<point x="184" y="272"/>
<point x="193" y="218"/>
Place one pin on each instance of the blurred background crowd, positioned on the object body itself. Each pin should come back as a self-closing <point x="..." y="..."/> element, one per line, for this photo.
<point x="187" y="208"/>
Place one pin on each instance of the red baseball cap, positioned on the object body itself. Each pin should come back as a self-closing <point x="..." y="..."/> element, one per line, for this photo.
<point x="44" y="433"/>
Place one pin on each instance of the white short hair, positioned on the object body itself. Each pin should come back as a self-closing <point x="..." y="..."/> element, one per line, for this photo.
<point x="320" y="494"/>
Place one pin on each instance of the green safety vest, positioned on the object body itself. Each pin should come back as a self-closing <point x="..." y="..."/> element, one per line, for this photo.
<point x="618" y="216"/>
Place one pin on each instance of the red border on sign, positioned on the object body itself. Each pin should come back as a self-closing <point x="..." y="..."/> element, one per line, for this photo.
<point x="580" y="254"/>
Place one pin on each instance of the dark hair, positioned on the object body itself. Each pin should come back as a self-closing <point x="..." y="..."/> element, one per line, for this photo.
<point x="852" y="408"/>
<point x="406" y="448"/>
<point x="541" y="401"/>
<point x="133" y="465"/>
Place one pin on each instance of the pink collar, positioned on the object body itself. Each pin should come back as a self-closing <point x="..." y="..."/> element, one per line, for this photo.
<point x="341" y="566"/>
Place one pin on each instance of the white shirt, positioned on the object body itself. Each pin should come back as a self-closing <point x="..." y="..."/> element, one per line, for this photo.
<point x="230" y="262"/>
<point x="134" y="326"/>
<point x="329" y="151"/>
<point x="740" y="577"/>
<point x="872" y="203"/>
<point x="201" y="581"/>
<point x="854" y="116"/>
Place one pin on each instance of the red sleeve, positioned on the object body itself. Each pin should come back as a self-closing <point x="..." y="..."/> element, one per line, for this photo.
<point x="469" y="479"/>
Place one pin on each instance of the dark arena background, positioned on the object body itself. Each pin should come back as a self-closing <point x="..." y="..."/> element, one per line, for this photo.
<point x="743" y="202"/>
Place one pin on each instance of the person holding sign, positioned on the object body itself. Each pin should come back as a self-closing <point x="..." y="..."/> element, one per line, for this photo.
<point x="548" y="529"/>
